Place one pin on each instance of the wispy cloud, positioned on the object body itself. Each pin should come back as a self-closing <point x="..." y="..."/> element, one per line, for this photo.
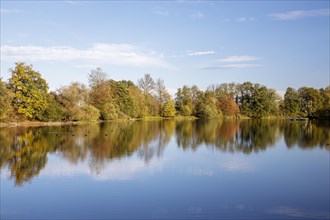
<point x="197" y="15"/>
<point x="199" y="53"/>
<point x="233" y="59"/>
<point x="118" y="54"/>
<point x="232" y="66"/>
<point x="9" y="11"/>
<point x="233" y="62"/>
<point x="299" y="14"/>
<point x="161" y="12"/>
<point x="245" y="19"/>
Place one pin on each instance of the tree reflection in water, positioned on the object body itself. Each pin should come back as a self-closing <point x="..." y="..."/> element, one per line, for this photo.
<point x="24" y="150"/>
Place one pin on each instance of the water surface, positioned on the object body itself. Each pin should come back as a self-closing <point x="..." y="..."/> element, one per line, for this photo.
<point x="204" y="169"/>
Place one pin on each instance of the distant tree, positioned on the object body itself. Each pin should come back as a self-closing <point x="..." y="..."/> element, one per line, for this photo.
<point x="54" y="111"/>
<point x="264" y="102"/>
<point x="228" y="107"/>
<point x="168" y="108"/>
<point x="244" y="97"/>
<point x="30" y="91"/>
<point x="206" y="105"/>
<point x="184" y="101"/>
<point x="256" y="100"/>
<point x="291" y="102"/>
<point x="96" y="77"/>
<point x="146" y="84"/>
<point x="75" y="99"/>
<point x="325" y="95"/>
<point x="6" y="97"/>
<point x="310" y="101"/>
<point x="164" y="99"/>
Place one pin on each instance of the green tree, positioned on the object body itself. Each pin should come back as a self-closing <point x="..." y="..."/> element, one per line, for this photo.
<point x="30" y="91"/>
<point x="325" y="95"/>
<point x="264" y="102"/>
<point x="184" y="101"/>
<point x="124" y="100"/>
<point x="168" y="109"/>
<point x="244" y="97"/>
<point x="165" y="101"/>
<point x="310" y="101"/>
<point x="206" y="106"/>
<point x="54" y="111"/>
<point x="6" y="98"/>
<point x="256" y="100"/>
<point x="291" y="102"/>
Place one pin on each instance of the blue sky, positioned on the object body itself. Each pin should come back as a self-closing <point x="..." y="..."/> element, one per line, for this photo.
<point x="274" y="43"/>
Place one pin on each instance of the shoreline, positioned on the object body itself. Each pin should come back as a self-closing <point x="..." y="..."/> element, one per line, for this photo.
<point x="41" y="124"/>
<point x="65" y="123"/>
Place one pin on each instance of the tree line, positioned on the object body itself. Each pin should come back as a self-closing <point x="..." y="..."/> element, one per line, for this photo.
<point x="26" y="97"/>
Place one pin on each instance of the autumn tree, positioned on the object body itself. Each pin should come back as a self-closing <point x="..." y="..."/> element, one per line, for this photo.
<point x="101" y="94"/>
<point x="30" y="91"/>
<point x="6" y="98"/>
<point x="96" y="77"/>
<point x="75" y="99"/>
<point x="228" y="107"/>
<point x="225" y="94"/>
<point x="147" y="86"/>
<point x="165" y="101"/>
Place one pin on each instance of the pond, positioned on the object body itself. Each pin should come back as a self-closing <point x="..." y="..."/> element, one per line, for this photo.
<point x="170" y="169"/>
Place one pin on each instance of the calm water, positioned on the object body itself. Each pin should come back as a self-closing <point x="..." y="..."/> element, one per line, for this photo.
<point x="167" y="169"/>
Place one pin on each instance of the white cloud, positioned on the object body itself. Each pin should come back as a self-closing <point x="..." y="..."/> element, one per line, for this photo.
<point x="197" y="15"/>
<point x="118" y="54"/>
<point x="299" y="14"/>
<point x="233" y="59"/>
<point x="200" y="53"/>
